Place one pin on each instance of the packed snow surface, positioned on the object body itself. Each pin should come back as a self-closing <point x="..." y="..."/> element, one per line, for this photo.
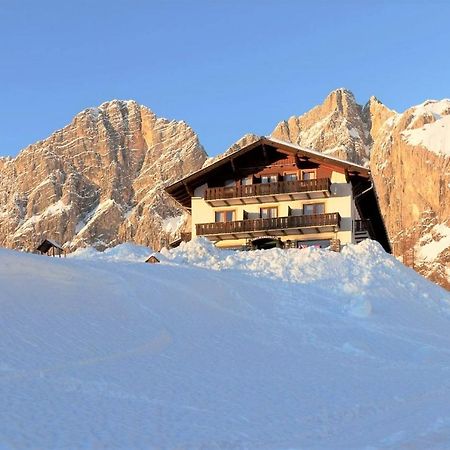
<point x="297" y="349"/>
<point x="434" y="136"/>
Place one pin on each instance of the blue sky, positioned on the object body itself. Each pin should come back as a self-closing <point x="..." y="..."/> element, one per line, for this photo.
<point x="225" y="67"/>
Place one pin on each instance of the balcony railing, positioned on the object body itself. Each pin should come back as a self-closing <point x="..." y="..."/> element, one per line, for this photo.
<point x="315" y="221"/>
<point x="362" y="226"/>
<point x="262" y="189"/>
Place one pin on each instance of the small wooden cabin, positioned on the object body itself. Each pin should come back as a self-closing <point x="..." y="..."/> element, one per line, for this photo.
<point x="152" y="259"/>
<point x="50" y="248"/>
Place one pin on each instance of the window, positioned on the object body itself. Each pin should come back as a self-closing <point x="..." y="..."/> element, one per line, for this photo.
<point x="308" y="174"/>
<point x="268" y="213"/>
<point x="290" y="177"/>
<point x="247" y="181"/>
<point x="224" y="216"/>
<point x="230" y="183"/>
<point x="269" y="178"/>
<point x="314" y="208"/>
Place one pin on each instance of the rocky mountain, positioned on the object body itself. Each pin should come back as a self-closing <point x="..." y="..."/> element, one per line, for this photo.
<point x="98" y="181"/>
<point x="409" y="156"/>
<point x="337" y="127"/>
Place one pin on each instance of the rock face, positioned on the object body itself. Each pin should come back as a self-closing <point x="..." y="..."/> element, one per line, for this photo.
<point x="98" y="181"/>
<point x="409" y="156"/>
<point x="337" y="127"/>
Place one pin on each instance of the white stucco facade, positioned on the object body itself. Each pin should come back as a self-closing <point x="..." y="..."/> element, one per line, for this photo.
<point x="339" y="201"/>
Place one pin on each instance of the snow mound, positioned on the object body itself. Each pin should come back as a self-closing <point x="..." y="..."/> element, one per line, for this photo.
<point x="218" y="349"/>
<point x="356" y="271"/>
<point x="127" y="252"/>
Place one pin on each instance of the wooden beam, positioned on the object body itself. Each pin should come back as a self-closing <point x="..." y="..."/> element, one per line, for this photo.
<point x="266" y="158"/>
<point x="233" y="166"/>
<point x="188" y="189"/>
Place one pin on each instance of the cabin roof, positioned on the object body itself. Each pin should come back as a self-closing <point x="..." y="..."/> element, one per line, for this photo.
<point x="152" y="258"/>
<point x="47" y="244"/>
<point x="182" y="190"/>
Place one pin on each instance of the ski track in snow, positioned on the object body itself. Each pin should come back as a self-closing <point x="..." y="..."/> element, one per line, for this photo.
<point x="103" y="351"/>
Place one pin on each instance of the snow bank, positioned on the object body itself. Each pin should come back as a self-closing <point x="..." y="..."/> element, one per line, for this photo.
<point x="127" y="252"/>
<point x="356" y="271"/>
<point x="269" y="350"/>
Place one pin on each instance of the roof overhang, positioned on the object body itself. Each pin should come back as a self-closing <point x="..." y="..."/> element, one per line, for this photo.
<point x="183" y="190"/>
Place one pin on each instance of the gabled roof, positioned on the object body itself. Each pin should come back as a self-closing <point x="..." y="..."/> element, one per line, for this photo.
<point x="47" y="244"/>
<point x="183" y="189"/>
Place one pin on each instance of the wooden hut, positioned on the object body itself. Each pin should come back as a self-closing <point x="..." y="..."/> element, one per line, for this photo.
<point x="152" y="259"/>
<point x="50" y="248"/>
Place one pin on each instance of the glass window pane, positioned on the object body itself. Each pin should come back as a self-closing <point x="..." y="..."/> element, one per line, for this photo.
<point x="308" y="174"/>
<point x="290" y="177"/>
<point x="268" y="213"/>
<point x="314" y="208"/>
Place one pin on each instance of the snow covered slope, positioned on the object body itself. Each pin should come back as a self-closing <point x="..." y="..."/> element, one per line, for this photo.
<point x="267" y="350"/>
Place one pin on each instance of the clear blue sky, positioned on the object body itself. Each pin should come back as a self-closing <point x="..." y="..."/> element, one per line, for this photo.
<point x="225" y="67"/>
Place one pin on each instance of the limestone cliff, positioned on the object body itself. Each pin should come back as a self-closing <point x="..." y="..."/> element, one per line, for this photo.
<point x="409" y="156"/>
<point x="336" y="127"/>
<point x="98" y="181"/>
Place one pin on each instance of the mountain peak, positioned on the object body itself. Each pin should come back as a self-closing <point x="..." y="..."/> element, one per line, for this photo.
<point x="341" y="100"/>
<point x="341" y="93"/>
<point x="374" y="99"/>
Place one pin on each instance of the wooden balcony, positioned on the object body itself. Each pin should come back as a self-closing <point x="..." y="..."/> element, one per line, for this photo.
<point x="268" y="192"/>
<point x="279" y="226"/>
<point x="363" y="229"/>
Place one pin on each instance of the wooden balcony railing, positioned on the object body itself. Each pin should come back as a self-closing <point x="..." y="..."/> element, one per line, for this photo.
<point x="277" y="223"/>
<point x="361" y="226"/>
<point x="261" y="189"/>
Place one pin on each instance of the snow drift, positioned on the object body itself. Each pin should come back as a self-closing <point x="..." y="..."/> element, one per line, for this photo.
<point x="216" y="349"/>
